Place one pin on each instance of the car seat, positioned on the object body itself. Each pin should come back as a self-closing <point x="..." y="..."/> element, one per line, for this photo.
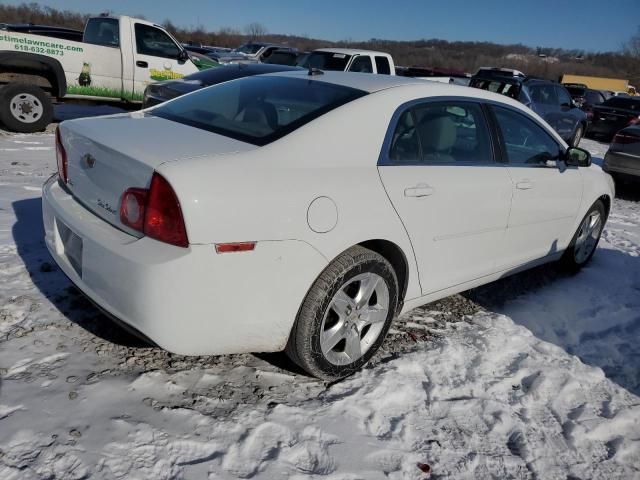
<point x="438" y="135"/>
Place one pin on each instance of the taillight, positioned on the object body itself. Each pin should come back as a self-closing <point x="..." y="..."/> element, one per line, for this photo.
<point x="155" y="212"/>
<point x="625" y="139"/>
<point x="235" y="247"/>
<point x="61" y="158"/>
<point x="634" y="120"/>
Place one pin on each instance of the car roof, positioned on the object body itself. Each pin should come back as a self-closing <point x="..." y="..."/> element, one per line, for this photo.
<point x="349" y="51"/>
<point x="367" y="82"/>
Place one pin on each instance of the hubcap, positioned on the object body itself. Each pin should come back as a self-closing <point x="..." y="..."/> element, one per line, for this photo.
<point x="588" y="236"/>
<point x="26" y="108"/>
<point x="354" y="319"/>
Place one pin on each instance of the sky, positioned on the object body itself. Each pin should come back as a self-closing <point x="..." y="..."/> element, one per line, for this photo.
<point x="592" y="25"/>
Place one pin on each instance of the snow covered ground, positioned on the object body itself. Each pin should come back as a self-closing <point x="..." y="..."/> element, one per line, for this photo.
<point x="534" y="376"/>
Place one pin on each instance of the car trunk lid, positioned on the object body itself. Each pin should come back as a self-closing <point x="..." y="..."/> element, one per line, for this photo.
<point x="108" y="155"/>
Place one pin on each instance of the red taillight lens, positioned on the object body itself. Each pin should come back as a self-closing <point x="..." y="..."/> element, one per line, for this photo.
<point x="61" y="157"/>
<point x="163" y="217"/>
<point x="155" y="212"/>
<point x="625" y="139"/>
<point x="634" y="120"/>
<point x="133" y="207"/>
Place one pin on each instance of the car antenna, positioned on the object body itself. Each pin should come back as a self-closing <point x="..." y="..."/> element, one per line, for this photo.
<point x="314" y="71"/>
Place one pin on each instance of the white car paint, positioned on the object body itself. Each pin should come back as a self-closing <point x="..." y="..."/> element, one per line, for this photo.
<point x="465" y="233"/>
<point x="354" y="53"/>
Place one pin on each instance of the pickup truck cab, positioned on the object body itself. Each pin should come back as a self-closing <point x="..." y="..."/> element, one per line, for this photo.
<point x="350" y="60"/>
<point x="117" y="57"/>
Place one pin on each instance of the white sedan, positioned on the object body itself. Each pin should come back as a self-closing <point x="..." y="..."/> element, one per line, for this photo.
<point x="304" y="211"/>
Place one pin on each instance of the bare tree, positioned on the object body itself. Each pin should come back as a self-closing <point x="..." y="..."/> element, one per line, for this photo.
<point x="632" y="46"/>
<point x="255" y="30"/>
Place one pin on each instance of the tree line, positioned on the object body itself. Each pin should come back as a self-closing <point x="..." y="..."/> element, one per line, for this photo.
<point x="463" y="56"/>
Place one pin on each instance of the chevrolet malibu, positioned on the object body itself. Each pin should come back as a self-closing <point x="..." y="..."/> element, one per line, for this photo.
<point x="303" y="211"/>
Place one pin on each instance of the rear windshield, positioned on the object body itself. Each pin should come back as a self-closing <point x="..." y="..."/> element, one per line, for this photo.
<point x="257" y="110"/>
<point x="576" y="91"/>
<point x="623" y="102"/>
<point x="511" y="90"/>
<point x="327" y="61"/>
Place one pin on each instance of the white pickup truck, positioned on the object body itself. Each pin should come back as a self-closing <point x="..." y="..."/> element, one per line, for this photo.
<point x="351" y="60"/>
<point x="114" y="59"/>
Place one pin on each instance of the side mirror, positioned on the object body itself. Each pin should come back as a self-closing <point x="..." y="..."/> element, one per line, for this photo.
<point x="183" y="56"/>
<point x="577" y="157"/>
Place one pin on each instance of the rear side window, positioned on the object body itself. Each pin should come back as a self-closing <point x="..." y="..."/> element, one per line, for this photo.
<point x="511" y="90"/>
<point x="154" y="42"/>
<point x="362" y="64"/>
<point x="382" y="65"/>
<point x="525" y="142"/>
<point x="258" y="109"/>
<point x="102" y="31"/>
<point x="442" y="133"/>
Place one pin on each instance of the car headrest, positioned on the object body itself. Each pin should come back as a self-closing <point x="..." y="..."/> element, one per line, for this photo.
<point x="437" y="134"/>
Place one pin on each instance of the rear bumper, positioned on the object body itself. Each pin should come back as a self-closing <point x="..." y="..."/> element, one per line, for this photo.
<point x="189" y="301"/>
<point x="619" y="162"/>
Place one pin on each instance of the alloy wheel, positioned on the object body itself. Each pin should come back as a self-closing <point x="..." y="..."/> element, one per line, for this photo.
<point x="354" y="318"/>
<point x="588" y="236"/>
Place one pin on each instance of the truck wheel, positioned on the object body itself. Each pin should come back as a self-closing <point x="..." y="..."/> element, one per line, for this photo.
<point x="25" y="108"/>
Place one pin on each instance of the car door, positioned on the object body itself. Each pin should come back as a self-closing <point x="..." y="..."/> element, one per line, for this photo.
<point x="439" y="170"/>
<point x="546" y="193"/>
<point x="567" y="116"/>
<point x="157" y="57"/>
<point x="545" y="102"/>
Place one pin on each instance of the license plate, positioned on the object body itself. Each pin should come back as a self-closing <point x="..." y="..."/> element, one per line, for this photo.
<point x="72" y="245"/>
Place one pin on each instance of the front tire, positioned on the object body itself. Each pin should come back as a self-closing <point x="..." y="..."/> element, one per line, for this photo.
<point x="25" y="108"/>
<point x="577" y="136"/>
<point x="585" y="240"/>
<point x="345" y="316"/>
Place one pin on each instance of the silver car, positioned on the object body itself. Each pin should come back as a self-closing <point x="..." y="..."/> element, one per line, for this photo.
<point x="622" y="161"/>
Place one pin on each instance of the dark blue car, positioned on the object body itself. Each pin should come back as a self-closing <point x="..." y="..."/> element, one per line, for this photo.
<point x="548" y="99"/>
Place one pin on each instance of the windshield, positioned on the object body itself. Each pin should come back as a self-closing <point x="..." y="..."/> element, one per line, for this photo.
<point x="258" y="109"/>
<point x="248" y="48"/>
<point x="576" y="91"/>
<point x="327" y="61"/>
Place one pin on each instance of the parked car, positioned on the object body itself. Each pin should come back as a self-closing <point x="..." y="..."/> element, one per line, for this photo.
<point x="251" y="52"/>
<point x="114" y="60"/>
<point x="160" y="92"/>
<point x="262" y="214"/>
<point x="585" y="98"/>
<point x="613" y="115"/>
<point x="445" y="75"/>
<point x="350" y="60"/>
<point x="548" y="99"/>
<point x="622" y="160"/>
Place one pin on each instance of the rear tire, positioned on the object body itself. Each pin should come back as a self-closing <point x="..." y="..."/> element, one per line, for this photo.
<point x="25" y="108"/>
<point x="345" y="316"/>
<point x="585" y="240"/>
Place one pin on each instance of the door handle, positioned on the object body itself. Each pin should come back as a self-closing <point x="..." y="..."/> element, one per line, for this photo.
<point x="524" y="185"/>
<point x="142" y="64"/>
<point x="419" y="191"/>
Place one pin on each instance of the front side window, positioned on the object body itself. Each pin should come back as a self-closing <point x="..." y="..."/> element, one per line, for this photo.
<point x="543" y="94"/>
<point x="563" y="96"/>
<point x="362" y="64"/>
<point x="447" y="133"/>
<point x="525" y="142"/>
<point x="155" y="42"/>
<point x="258" y="109"/>
<point x="102" y="31"/>
<point x="382" y="66"/>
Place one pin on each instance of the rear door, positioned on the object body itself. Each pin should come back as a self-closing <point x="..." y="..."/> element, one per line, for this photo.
<point x="156" y="57"/>
<point x="439" y="171"/>
<point x="546" y="193"/>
